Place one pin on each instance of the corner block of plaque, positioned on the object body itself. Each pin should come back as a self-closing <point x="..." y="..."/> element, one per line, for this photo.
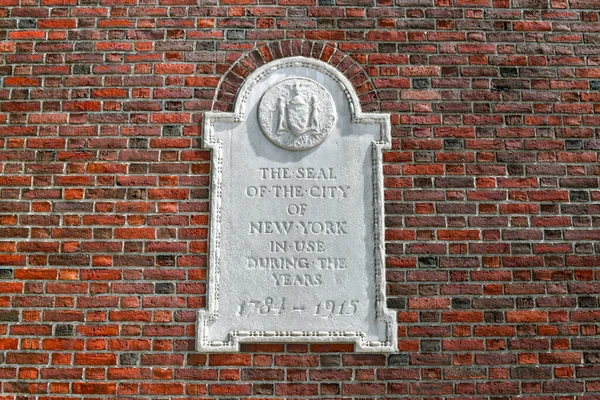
<point x="296" y="250"/>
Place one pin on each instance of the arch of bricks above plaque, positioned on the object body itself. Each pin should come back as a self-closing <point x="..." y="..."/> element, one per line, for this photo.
<point x="232" y="81"/>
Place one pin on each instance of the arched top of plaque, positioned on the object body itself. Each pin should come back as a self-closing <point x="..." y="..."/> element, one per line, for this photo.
<point x="296" y="247"/>
<point x="311" y="87"/>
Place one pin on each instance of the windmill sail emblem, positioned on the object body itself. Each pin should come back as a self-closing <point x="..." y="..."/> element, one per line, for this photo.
<point x="296" y="113"/>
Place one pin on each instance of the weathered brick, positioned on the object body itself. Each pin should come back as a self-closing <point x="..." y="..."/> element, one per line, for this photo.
<point x="491" y="187"/>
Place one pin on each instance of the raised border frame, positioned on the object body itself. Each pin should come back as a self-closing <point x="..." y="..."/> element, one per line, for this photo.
<point x="211" y="313"/>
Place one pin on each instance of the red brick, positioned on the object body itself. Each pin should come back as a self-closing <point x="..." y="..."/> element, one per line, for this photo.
<point x="56" y="23"/>
<point x="135" y="233"/>
<point x="230" y="389"/>
<point x="296" y="360"/>
<point x="532" y="26"/>
<point x="26" y="34"/>
<point x="527" y="316"/>
<point x="363" y="359"/>
<point x="363" y="389"/>
<point x="62" y="344"/>
<point x="94" y="388"/>
<point x="202" y="81"/>
<point x="111" y="93"/>
<point x="230" y="359"/>
<point x="162" y="388"/>
<point x="95" y="359"/>
<point x="174" y="68"/>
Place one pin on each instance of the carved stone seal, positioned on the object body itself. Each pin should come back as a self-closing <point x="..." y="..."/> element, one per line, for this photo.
<point x="296" y="113"/>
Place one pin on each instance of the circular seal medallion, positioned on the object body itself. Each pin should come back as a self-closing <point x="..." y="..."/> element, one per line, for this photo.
<point x="296" y="114"/>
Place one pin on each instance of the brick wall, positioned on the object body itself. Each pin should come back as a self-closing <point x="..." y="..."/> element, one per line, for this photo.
<point x="492" y="194"/>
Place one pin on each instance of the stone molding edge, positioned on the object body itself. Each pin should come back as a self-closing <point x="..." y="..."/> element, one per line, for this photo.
<point x="211" y="313"/>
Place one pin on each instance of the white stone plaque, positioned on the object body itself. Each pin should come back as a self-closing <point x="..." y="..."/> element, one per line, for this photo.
<point x="296" y="232"/>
